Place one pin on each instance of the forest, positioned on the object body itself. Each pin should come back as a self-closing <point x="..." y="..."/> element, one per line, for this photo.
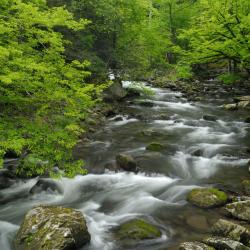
<point x="124" y="124"/>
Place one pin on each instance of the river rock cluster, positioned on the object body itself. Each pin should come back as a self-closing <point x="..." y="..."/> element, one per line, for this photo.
<point x="231" y="233"/>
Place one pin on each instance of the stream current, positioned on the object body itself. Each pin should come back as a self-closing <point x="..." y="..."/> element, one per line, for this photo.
<point x="197" y="153"/>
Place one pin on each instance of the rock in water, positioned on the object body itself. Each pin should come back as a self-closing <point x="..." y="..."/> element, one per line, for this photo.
<point x="194" y="246"/>
<point x="207" y="197"/>
<point x="231" y="230"/>
<point x="247" y="120"/>
<point x="210" y="118"/>
<point x="240" y="210"/>
<point x="47" y="185"/>
<point x="232" y="106"/>
<point x="224" y="243"/>
<point x="138" y="230"/>
<point x="52" y="228"/>
<point x="126" y="162"/>
<point x="155" y="146"/>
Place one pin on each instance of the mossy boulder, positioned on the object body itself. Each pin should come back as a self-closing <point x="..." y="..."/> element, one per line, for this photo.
<point x="232" y="230"/>
<point x="239" y="210"/>
<point x="137" y="230"/>
<point x="126" y="162"/>
<point x="50" y="228"/>
<point x="232" y="106"/>
<point x="194" y="246"/>
<point x="155" y="146"/>
<point x="207" y="197"/>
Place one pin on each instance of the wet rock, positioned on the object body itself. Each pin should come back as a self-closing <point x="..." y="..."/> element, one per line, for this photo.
<point x="194" y="246"/>
<point x="198" y="222"/>
<point x="6" y="179"/>
<point x="211" y="118"/>
<point x="115" y="92"/>
<point x="244" y="105"/>
<point x="247" y="120"/>
<point x="126" y="162"/>
<point x="242" y="98"/>
<point x="137" y="230"/>
<point x="239" y="210"/>
<point x="207" y="197"/>
<point x="225" y="228"/>
<point x="224" y="243"/>
<point x="155" y="146"/>
<point x="197" y="153"/>
<point x="47" y="185"/>
<point x="50" y="228"/>
<point x="246" y="186"/>
<point x="119" y="118"/>
<point x="146" y="104"/>
<point x="231" y="107"/>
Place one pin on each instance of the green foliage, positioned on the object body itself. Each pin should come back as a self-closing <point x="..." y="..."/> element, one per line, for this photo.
<point x="220" y="32"/>
<point x="43" y="98"/>
<point x="229" y="78"/>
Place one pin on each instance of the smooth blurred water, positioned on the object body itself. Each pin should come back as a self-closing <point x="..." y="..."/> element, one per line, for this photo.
<point x="158" y="191"/>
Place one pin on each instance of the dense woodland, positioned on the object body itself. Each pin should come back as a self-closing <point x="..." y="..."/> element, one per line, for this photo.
<point x="55" y="58"/>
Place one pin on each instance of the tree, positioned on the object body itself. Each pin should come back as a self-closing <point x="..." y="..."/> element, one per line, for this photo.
<point x="43" y="98"/>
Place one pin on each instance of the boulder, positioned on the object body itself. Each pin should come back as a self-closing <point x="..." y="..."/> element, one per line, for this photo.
<point x="194" y="246"/>
<point x="50" y="228"/>
<point x="225" y="228"/>
<point x="47" y="185"/>
<point x="244" y="105"/>
<point x="137" y="230"/>
<point x="197" y="152"/>
<point x="115" y="92"/>
<point x="207" y="197"/>
<point x="247" y="120"/>
<point x="239" y="210"/>
<point x="231" y="107"/>
<point x="126" y="162"/>
<point x="155" y="146"/>
<point x="224" y="243"/>
<point x="210" y="118"/>
<point x="241" y="98"/>
<point x="6" y="179"/>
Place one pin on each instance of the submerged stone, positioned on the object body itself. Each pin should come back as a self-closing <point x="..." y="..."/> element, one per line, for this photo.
<point x="239" y="210"/>
<point x="50" y="228"/>
<point x="207" y="197"/>
<point x="138" y="230"/>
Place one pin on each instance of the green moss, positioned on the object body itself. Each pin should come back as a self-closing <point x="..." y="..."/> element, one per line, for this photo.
<point x="207" y="197"/>
<point x="138" y="230"/>
<point x="154" y="146"/>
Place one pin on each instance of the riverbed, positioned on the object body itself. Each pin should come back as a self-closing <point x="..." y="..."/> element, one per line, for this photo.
<point x="196" y="153"/>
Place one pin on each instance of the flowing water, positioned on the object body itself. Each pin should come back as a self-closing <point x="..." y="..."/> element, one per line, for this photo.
<point x="157" y="193"/>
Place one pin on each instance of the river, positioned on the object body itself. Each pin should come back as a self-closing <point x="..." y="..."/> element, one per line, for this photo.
<point x="158" y="191"/>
